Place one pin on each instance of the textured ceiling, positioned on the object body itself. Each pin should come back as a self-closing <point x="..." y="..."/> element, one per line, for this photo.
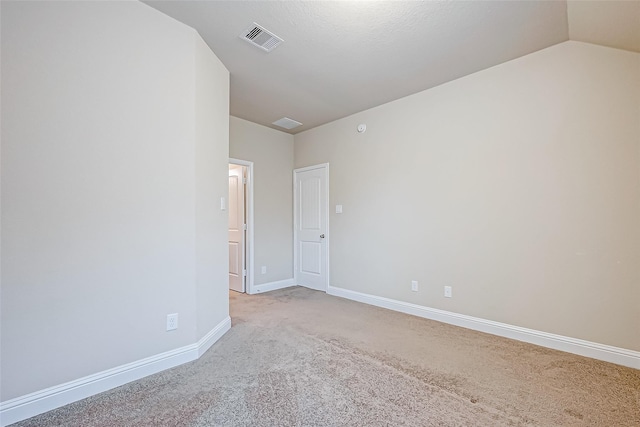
<point x="342" y="57"/>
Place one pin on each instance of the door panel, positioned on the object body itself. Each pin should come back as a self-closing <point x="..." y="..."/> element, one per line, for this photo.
<point x="235" y="266"/>
<point x="309" y="195"/>
<point x="236" y="230"/>
<point x="234" y="221"/>
<point x="310" y="257"/>
<point x="311" y="203"/>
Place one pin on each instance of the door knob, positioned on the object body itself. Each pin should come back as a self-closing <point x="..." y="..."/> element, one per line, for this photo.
<point x="322" y="236"/>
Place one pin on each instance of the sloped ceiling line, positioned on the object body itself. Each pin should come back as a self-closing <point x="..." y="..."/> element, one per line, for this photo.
<point x="340" y="58"/>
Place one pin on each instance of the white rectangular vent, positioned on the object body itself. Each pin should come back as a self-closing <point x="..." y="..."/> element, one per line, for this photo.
<point x="261" y="37"/>
<point x="287" y="123"/>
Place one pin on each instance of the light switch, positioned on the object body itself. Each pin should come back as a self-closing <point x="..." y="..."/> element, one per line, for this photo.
<point x="338" y="208"/>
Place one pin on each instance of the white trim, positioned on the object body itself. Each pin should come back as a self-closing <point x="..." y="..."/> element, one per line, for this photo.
<point x="328" y="238"/>
<point x="594" y="350"/>
<point x="324" y="166"/>
<point x="272" y="286"/>
<point x="212" y="336"/>
<point x="249" y="241"/>
<point x="32" y="404"/>
<point x="310" y="168"/>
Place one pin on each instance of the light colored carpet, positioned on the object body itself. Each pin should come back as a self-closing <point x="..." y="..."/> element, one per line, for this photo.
<point x="297" y="357"/>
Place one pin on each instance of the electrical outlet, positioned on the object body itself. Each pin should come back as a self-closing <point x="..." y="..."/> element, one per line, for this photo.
<point x="448" y="293"/>
<point x="263" y="269"/>
<point x="172" y="321"/>
<point x="414" y="285"/>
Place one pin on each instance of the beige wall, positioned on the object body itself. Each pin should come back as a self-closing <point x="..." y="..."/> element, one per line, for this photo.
<point x="271" y="152"/>
<point x="519" y="186"/>
<point x="212" y="182"/>
<point x="110" y="158"/>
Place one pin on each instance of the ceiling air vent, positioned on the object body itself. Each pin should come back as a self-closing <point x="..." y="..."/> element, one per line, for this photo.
<point x="287" y="123"/>
<point x="261" y="37"/>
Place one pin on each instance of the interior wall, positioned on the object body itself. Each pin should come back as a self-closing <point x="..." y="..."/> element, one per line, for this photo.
<point x="212" y="182"/>
<point x="519" y="186"/>
<point x="271" y="152"/>
<point x="102" y="190"/>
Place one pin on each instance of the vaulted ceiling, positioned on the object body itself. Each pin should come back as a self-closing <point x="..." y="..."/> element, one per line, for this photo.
<point x="342" y="57"/>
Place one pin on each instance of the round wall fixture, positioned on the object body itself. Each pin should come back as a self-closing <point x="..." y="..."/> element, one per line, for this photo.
<point x="362" y="128"/>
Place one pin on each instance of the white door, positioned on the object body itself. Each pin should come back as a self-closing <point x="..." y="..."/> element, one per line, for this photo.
<point x="236" y="229"/>
<point x="311" y="226"/>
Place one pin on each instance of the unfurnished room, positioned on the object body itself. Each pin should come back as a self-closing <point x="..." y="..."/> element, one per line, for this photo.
<point x="320" y="213"/>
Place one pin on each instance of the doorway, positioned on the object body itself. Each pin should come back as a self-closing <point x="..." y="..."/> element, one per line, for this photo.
<point x="240" y="226"/>
<point x="311" y="226"/>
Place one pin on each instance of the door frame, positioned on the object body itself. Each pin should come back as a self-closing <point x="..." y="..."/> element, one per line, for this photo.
<point x="249" y="284"/>
<point x="324" y="166"/>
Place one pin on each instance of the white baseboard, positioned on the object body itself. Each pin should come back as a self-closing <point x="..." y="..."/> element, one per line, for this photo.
<point x="27" y="406"/>
<point x="212" y="336"/>
<point x="272" y="286"/>
<point x="594" y="350"/>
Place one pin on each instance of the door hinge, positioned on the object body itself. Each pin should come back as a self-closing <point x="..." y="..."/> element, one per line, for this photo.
<point x="244" y="227"/>
<point x="244" y="181"/>
<point x="244" y="273"/>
